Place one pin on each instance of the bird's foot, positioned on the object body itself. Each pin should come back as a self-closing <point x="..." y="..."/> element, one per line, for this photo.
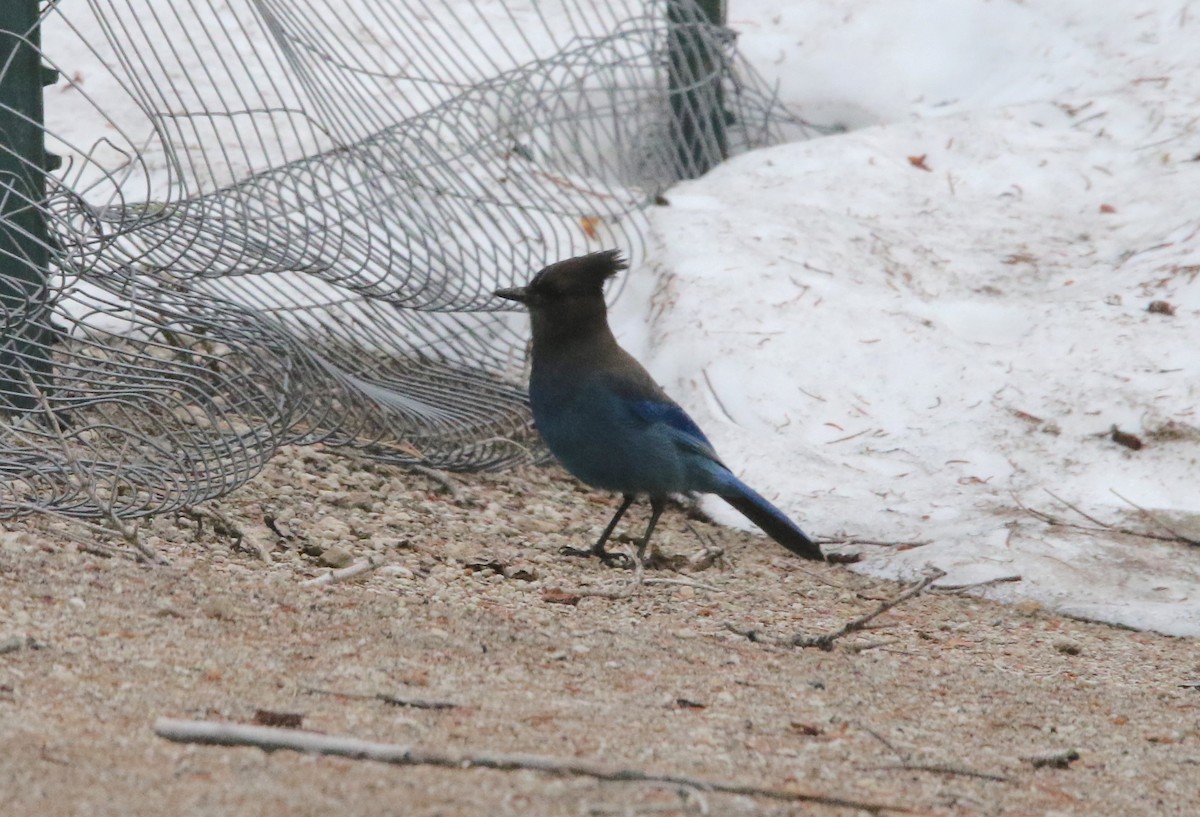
<point x="607" y="557"/>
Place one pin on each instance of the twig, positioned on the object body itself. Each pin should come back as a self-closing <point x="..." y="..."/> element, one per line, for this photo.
<point x="414" y="703"/>
<point x="825" y="640"/>
<point x="962" y="588"/>
<point x="222" y="525"/>
<point x="272" y="739"/>
<point x="854" y="540"/>
<point x="440" y="477"/>
<point x="372" y="562"/>
<point x="1041" y="516"/>
<point x="391" y="700"/>
<point x="751" y="635"/>
<point x="1105" y="527"/>
<point x="906" y="762"/>
<point x="1055" y="760"/>
<point x="1179" y="537"/>
<point x="716" y="396"/>
<point x="884" y="741"/>
<point x="873" y="645"/>
<point x="97" y="549"/>
<point x="1055" y="522"/>
<point x="938" y="768"/>
<point x="1088" y="517"/>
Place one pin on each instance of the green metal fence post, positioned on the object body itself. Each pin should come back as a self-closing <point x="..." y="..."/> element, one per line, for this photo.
<point x="698" y="117"/>
<point x="24" y="246"/>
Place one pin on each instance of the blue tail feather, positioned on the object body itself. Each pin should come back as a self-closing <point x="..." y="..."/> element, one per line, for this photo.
<point x="774" y="522"/>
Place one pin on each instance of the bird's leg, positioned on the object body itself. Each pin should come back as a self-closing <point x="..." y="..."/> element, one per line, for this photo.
<point x="657" y="505"/>
<point x="598" y="549"/>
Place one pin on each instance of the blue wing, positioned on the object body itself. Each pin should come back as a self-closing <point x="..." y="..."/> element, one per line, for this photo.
<point x="682" y="427"/>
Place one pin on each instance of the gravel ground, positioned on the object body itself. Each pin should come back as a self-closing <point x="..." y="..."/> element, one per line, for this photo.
<point x="937" y="707"/>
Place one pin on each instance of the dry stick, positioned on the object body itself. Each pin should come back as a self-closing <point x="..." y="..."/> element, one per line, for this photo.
<point x="271" y="739"/>
<point x="413" y="703"/>
<point x="1086" y="516"/>
<point x="825" y="641"/>
<point x="939" y="768"/>
<point x="906" y="763"/>
<point x="440" y="477"/>
<point x="390" y="700"/>
<point x="1041" y="516"/>
<point x="879" y="737"/>
<point x="854" y="540"/>
<point x="224" y="526"/>
<point x="97" y="549"/>
<point x="962" y="588"/>
<point x="1055" y="522"/>
<point x="873" y="645"/>
<point x="748" y="633"/>
<point x="349" y="572"/>
<point x="1104" y="527"/>
<point x="1056" y="760"/>
<point x="1179" y="537"/>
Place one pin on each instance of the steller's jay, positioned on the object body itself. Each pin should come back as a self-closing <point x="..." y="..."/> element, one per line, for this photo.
<point x="608" y="422"/>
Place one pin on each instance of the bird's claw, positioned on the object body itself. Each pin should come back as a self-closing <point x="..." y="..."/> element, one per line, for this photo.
<point x="607" y="557"/>
<point x="621" y="560"/>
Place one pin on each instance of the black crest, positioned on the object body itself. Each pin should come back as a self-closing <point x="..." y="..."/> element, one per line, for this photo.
<point x="584" y="275"/>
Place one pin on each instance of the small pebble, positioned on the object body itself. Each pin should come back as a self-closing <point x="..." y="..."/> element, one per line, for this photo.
<point x="336" y="556"/>
<point x="330" y="528"/>
<point x="1068" y="647"/>
<point x="220" y="609"/>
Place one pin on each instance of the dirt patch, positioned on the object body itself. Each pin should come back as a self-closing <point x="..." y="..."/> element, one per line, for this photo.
<point x="468" y="610"/>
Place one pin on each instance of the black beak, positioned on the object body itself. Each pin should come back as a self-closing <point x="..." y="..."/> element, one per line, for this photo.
<point x="518" y="294"/>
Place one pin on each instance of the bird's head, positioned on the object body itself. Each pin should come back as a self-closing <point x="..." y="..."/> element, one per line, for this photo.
<point x="555" y="287"/>
<point x="566" y="299"/>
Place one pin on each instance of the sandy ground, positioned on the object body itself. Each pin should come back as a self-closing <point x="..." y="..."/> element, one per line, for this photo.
<point x="94" y="647"/>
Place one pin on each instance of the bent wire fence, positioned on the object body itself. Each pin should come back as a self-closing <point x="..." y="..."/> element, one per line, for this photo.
<point x="281" y="221"/>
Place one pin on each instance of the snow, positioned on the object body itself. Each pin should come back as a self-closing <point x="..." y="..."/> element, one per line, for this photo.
<point x="907" y="331"/>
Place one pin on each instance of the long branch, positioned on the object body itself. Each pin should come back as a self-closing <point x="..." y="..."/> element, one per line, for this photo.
<point x="272" y="739"/>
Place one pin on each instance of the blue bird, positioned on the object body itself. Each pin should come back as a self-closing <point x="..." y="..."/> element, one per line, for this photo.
<point x="607" y="421"/>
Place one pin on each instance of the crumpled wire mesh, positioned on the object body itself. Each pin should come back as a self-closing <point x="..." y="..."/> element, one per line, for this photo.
<point x="281" y="221"/>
